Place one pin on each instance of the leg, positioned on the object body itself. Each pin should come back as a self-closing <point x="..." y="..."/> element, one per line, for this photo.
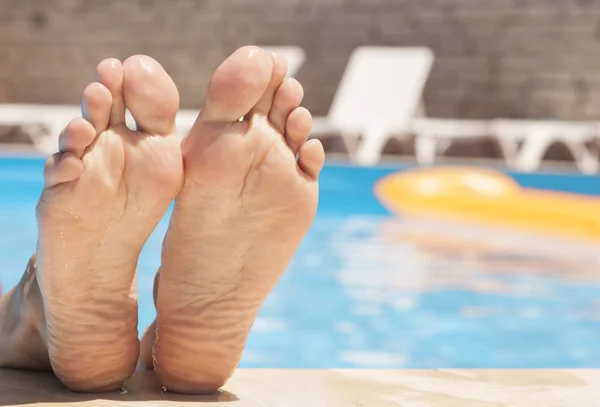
<point x="21" y="313"/>
<point x="246" y="204"/>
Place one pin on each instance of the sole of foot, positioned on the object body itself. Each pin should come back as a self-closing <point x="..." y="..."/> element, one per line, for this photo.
<point x="105" y="192"/>
<point x="249" y="197"/>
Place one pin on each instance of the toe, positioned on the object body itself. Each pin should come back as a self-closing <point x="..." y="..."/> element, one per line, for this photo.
<point x="297" y="128"/>
<point x="312" y="158"/>
<point x="150" y="95"/>
<point x="279" y="71"/>
<point x="237" y="85"/>
<point x="76" y="137"/>
<point x="287" y="98"/>
<point x="96" y="106"/>
<point x="60" y="168"/>
<point x="110" y="74"/>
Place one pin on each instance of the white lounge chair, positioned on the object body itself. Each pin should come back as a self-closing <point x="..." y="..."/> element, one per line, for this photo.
<point x="378" y="95"/>
<point x="537" y="136"/>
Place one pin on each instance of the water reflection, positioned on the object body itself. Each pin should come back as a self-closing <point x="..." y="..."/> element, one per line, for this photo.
<point x="377" y="292"/>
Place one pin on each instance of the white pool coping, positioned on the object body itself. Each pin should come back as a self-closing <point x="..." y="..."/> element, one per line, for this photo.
<point x="333" y="388"/>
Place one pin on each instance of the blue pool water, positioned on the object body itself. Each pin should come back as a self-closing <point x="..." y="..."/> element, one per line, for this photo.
<point x="370" y="290"/>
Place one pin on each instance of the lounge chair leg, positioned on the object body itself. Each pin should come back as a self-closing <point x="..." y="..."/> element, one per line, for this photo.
<point x="532" y="152"/>
<point x="369" y="151"/>
<point x="426" y="149"/>
<point x="586" y="161"/>
<point x="509" y="151"/>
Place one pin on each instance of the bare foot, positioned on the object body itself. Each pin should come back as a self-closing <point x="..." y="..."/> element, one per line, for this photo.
<point x="104" y="194"/>
<point x="245" y="206"/>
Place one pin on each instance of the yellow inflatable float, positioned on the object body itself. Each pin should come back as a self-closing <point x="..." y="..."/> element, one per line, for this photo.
<point x="488" y="196"/>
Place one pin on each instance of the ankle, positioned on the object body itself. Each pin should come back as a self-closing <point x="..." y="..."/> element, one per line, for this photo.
<point x="22" y="322"/>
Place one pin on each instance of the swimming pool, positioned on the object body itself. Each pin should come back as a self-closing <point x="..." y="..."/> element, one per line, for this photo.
<point x="367" y="289"/>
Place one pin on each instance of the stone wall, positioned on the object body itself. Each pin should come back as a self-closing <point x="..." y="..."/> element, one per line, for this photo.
<point x="511" y="58"/>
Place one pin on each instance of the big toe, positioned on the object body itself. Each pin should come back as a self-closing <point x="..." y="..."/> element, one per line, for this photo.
<point x="150" y="95"/>
<point x="238" y="84"/>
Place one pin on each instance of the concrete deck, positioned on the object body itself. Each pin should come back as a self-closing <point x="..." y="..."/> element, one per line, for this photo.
<point x="333" y="388"/>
